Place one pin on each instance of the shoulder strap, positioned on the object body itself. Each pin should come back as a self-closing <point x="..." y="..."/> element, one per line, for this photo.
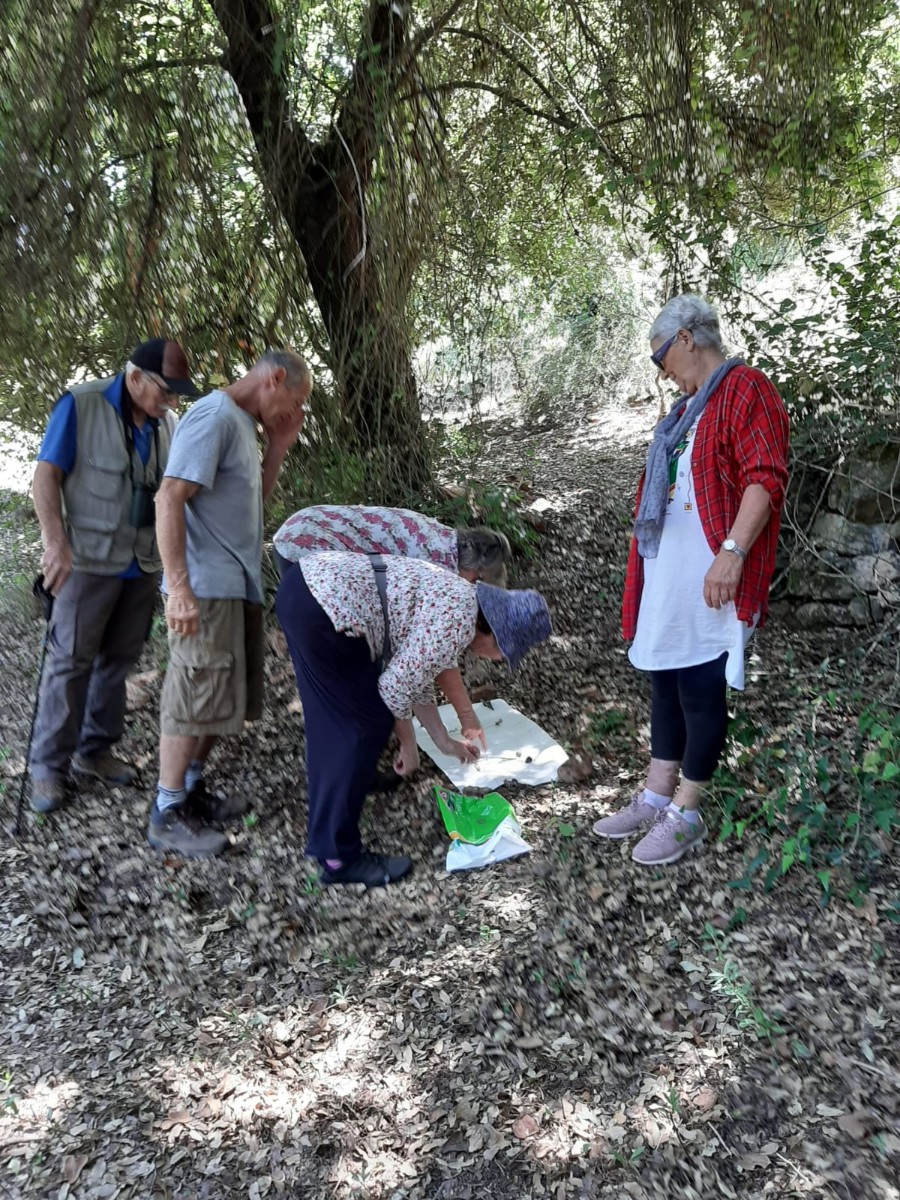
<point x="379" y="566"/>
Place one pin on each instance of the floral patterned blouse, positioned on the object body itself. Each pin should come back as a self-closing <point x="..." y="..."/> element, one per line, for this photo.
<point x="431" y="614"/>
<point x="366" y="530"/>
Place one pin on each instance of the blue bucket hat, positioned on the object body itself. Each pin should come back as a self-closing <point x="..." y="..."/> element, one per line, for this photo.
<point x="518" y="619"/>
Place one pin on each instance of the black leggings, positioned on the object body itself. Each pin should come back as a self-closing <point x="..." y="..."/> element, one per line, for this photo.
<point x="689" y="717"/>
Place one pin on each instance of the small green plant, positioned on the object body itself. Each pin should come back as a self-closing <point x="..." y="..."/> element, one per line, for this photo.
<point x="802" y="799"/>
<point x="728" y="982"/>
<point x="631" y="1159"/>
<point x="608" y="729"/>
<point x="344" y="962"/>
<point x="359" y="1183"/>
<point x="8" y="1103"/>
<point x="725" y="978"/>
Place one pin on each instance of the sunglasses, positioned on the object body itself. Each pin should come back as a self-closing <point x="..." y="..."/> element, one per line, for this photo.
<point x="163" y="387"/>
<point x="658" y="356"/>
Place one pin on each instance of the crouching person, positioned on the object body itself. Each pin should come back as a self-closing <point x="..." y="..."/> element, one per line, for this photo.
<point x="368" y="637"/>
<point x="474" y="554"/>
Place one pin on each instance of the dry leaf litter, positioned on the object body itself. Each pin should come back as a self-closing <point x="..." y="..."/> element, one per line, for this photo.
<point x="547" y="1028"/>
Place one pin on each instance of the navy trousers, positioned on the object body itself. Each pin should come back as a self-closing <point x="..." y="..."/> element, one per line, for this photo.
<point x="347" y="722"/>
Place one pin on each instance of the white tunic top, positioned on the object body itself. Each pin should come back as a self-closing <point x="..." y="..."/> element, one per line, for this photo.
<point x="675" y="627"/>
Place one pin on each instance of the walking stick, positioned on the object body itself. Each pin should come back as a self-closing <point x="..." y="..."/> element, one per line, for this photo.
<point x="46" y="601"/>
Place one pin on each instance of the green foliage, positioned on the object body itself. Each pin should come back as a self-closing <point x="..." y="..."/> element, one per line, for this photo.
<point x="139" y="196"/>
<point x="833" y="347"/>
<point x="695" y="127"/>
<point x="610" y="731"/>
<point x="496" y="505"/>
<point x="803" y="800"/>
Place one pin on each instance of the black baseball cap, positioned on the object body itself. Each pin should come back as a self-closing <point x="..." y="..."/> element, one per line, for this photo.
<point x="168" y="360"/>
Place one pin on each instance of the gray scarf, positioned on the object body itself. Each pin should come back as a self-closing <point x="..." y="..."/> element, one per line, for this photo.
<point x="648" y="523"/>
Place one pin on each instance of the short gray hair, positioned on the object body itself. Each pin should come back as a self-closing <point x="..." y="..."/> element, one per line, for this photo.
<point x="692" y="313"/>
<point x="484" y="551"/>
<point x="297" y="373"/>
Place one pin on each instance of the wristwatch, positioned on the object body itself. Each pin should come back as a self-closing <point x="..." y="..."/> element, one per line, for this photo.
<point x="733" y="548"/>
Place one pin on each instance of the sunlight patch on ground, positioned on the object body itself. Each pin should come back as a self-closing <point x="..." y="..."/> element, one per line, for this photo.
<point x="46" y="1102"/>
<point x="513" y="907"/>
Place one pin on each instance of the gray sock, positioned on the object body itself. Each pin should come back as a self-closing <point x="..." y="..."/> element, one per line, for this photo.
<point x="193" y="774"/>
<point x="169" y="797"/>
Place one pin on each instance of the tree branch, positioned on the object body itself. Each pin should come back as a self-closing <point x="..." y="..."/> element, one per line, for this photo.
<point x="210" y="60"/>
<point x="453" y="85"/>
<point x="252" y="59"/>
<point x="431" y="30"/>
<point x="476" y="35"/>
<point x="381" y="46"/>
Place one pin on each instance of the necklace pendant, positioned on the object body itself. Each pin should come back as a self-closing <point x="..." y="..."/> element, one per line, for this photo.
<point x="688" y="506"/>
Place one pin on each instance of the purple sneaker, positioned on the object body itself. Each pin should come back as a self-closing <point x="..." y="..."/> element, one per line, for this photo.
<point x="635" y="817"/>
<point x="670" y="837"/>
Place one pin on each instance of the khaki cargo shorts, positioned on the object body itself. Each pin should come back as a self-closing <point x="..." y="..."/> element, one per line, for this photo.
<point x="214" y="680"/>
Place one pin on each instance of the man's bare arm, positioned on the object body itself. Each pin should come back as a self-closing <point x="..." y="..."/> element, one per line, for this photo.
<point x="182" y="609"/>
<point x="56" y="561"/>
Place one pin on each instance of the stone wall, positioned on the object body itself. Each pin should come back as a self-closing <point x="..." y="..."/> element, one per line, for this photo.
<point x="850" y="573"/>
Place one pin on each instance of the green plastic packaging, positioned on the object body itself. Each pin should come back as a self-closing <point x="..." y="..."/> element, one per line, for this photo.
<point x="471" y="818"/>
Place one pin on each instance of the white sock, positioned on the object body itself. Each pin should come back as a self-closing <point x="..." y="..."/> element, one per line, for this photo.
<point x="656" y="799"/>
<point x="689" y="814"/>
<point x="169" y="797"/>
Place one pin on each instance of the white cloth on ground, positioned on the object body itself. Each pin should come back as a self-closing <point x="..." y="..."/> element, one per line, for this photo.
<point x="517" y="749"/>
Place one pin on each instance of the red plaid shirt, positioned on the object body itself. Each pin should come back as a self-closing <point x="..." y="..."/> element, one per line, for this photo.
<point x="742" y="438"/>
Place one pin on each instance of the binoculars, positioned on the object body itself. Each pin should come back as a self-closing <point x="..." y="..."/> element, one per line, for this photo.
<point x="142" y="511"/>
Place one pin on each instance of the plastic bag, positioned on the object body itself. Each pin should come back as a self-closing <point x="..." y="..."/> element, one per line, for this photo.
<point x="483" y="829"/>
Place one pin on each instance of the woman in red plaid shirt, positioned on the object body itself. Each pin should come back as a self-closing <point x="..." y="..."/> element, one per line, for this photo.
<point x="701" y="560"/>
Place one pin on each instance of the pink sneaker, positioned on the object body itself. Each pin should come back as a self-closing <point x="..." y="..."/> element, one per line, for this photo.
<point x="627" y="820"/>
<point x="670" y="837"/>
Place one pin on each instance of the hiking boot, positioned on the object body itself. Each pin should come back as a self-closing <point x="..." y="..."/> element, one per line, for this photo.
<point x="178" y="829"/>
<point x="212" y="809"/>
<point x="635" y="816"/>
<point x="105" y="767"/>
<point x="47" y="794"/>
<point x="373" y="870"/>
<point x="670" y="837"/>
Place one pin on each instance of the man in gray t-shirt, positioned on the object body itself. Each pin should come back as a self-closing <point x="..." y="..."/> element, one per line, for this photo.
<point x="216" y="448"/>
<point x="209" y="528"/>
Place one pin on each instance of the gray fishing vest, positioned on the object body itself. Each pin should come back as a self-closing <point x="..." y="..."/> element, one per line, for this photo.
<point x="97" y="491"/>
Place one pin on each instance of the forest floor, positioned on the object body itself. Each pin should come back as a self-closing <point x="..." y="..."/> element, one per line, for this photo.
<point x="562" y="1025"/>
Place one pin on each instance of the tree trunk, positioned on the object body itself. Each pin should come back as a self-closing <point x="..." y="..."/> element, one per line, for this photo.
<point x="321" y="189"/>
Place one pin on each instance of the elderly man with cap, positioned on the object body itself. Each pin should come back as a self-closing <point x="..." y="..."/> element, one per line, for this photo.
<point x="101" y="460"/>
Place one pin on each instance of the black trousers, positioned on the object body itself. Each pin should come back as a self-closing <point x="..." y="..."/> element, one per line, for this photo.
<point x="689" y="717"/>
<point x="347" y="723"/>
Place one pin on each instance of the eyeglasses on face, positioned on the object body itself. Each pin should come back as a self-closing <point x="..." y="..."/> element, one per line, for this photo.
<point x="163" y="386"/>
<point x="658" y="356"/>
